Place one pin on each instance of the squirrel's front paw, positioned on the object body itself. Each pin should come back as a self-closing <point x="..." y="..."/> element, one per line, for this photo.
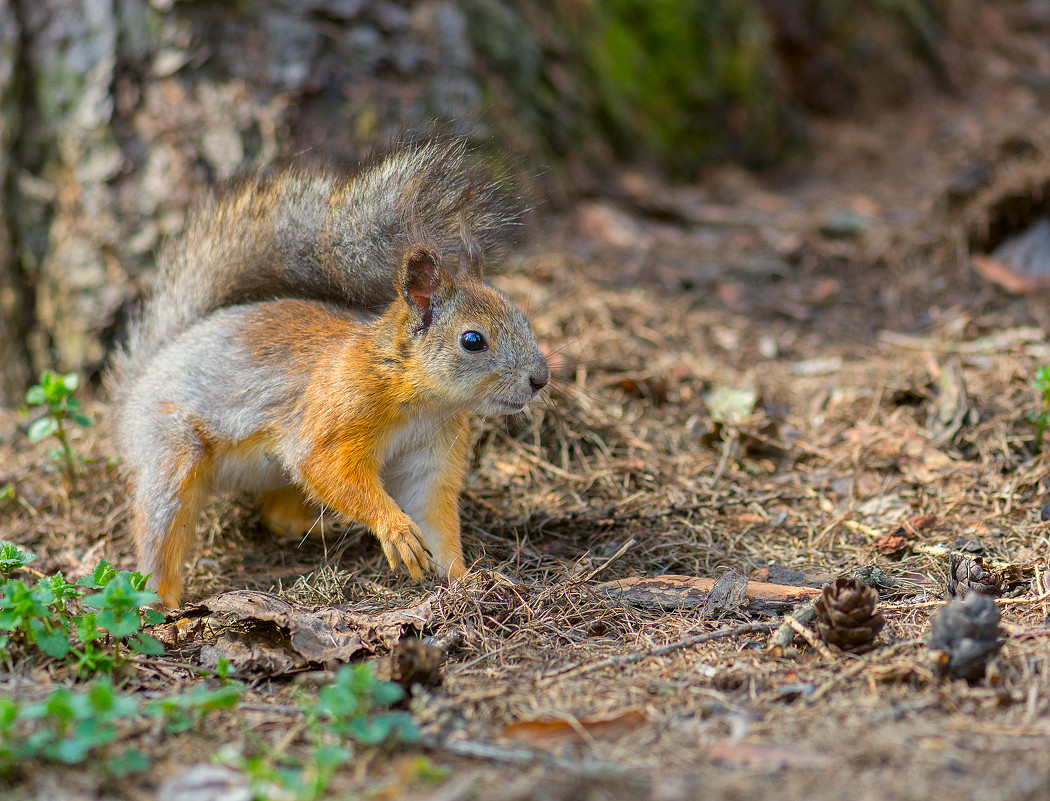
<point x="405" y="545"/>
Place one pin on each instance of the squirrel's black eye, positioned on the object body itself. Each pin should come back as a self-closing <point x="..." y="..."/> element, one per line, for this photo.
<point x="473" y="341"/>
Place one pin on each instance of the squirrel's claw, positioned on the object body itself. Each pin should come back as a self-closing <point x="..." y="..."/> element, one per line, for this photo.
<point x="408" y="547"/>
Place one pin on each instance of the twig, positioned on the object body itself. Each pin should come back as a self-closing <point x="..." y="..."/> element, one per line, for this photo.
<point x="916" y="605"/>
<point x="622" y="550"/>
<point x="723" y="461"/>
<point x="272" y="709"/>
<point x="809" y="636"/>
<point x="1035" y="599"/>
<point x="524" y="756"/>
<point x="1013" y="601"/>
<point x="628" y="659"/>
<point x="944" y="550"/>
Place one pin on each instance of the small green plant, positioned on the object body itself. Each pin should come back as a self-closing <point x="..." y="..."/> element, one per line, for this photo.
<point x="94" y="624"/>
<point x="186" y="711"/>
<point x="353" y="710"/>
<point x="26" y="613"/>
<point x="70" y="726"/>
<point x="12" y="557"/>
<point x="63" y="620"/>
<point x="1041" y="418"/>
<point x="77" y="726"/>
<point x="356" y="707"/>
<point x="55" y="394"/>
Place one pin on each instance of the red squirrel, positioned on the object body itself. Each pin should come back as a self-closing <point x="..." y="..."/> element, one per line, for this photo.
<point x="262" y="364"/>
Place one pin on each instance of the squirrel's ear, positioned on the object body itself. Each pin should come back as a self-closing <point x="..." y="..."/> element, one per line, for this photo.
<point x="420" y="280"/>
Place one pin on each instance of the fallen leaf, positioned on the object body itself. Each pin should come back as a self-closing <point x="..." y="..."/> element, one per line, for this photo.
<point x="920" y="462"/>
<point x="898" y="673"/>
<point x="605" y="224"/>
<point x="727" y="595"/>
<point x="896" y="541"/>
<point x="822" y="291"/>
<point x="1005" y="277"/>
<point x="650" y="389"/>
<point x="730" y="404"/>
<point x="561" y="730"/>
<point x="274" y="636"/>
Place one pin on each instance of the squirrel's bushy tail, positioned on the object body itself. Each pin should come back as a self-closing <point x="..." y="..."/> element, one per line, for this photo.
<point x="320" y="233"/>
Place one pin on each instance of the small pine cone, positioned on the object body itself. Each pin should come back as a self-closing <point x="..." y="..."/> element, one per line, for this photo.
<point x="847" y="615"/>
<point x="964" y="636"/>
<point x="412" y="661"/>
<point x="967" y="573"/>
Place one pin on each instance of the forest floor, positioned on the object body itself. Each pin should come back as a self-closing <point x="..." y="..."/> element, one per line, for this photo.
<point x="794" y="378"/>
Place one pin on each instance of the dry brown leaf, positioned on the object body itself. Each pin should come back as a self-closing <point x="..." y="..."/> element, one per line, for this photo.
<point x="1006" y="277"/>
<point x="728" y="594"/>
<point x="651" y="389"/>
<point x="894" y="542"/>
<point x="561" y="730"/>
<point x="280" y="636"/>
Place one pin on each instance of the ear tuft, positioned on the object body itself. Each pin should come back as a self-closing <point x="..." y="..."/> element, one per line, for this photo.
<point x="470" y="257"/>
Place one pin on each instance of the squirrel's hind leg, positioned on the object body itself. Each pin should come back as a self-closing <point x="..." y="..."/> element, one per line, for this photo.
<point x="165" y="519"/>
<point x="288" y="512"/>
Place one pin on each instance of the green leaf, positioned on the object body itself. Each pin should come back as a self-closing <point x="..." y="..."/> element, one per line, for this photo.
<point x="81" y="419"/>
<point x="332" y="755"/>
<point x="53" y="643"/>
<point x="131" y="761"/>
<point x="85" y="627"/>
<point x="846" y="223"/>
<point x="72" y="751"/>
<point x="151" y="617"/>
<point x="61" y="589"/>
<point x="100" y="577"/>
<point x="13" y="557"/>
<point x="94" y="660"/>
<point x="371" y="731"/>
<point x="386" y="693"/>
<point x="138" y="581"/>
<point x="42" y="428"/>
<point x="70" y="382"/>
<point x="119" y="623"/>
<point x="146" y="645"/>
<point x="35" y="395"/>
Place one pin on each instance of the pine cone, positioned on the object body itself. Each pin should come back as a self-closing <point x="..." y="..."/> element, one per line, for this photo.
<point x="965" y="635"/>
<point x="412" y="661"/>
<point x="967" y="573"/>
<point x="846" y="615"/>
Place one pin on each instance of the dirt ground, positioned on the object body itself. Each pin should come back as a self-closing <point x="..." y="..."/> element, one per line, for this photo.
<point x="837" y="299"/>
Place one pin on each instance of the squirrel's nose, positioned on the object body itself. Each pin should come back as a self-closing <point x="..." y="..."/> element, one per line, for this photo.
<point x="539" y="378"/>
